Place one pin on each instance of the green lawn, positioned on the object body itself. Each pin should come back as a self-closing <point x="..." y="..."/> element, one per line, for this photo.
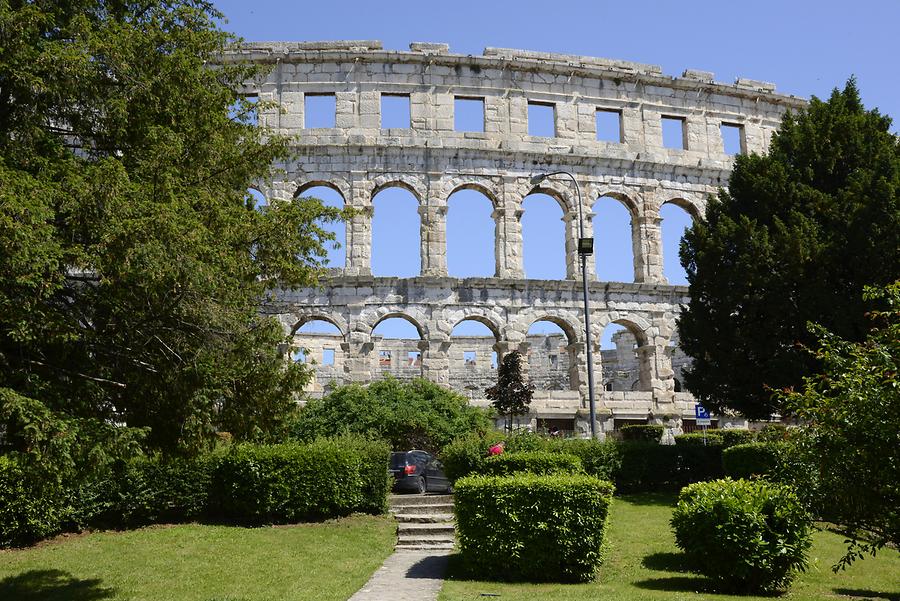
<point x="325" y="561"/>
<point x="643" y="563"/>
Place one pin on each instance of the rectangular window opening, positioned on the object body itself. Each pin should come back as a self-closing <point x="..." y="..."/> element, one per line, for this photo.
<point x="494" y="360"/>
<point x="542" y="119"/>
<point x="733" y="140"/>
<point x="384" y="359"/>
<point x="319" y="111"/>
<point x="554" y="361"/>
<point x="414" y="359"/>
<point x="468" y="114"/>
<point x="469" y="358"/>
<point x="298" y="355"/>
<point x="328" y="356"/>
<point x="395" y="111"/>
<point x="674" y="132"/>
<point x="244" y="109"/>
<point x="609" y="126"/>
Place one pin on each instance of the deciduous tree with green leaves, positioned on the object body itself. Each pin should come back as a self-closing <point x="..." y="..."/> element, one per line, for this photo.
<point x="794" y="239"/>
<point x="852" y="442"/>
<point x="511" y="395"/>
<point x="132" y="259"/>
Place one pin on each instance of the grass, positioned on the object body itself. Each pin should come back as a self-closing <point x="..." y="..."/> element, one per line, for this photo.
<point x="643" y="563"/>
<point x="324" y="561"/>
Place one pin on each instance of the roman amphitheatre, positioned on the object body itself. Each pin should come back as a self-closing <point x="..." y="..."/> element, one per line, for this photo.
<point x="431" y="159"/>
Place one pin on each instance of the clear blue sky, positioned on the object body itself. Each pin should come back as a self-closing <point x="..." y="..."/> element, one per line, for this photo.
<point x="806" y="47"/>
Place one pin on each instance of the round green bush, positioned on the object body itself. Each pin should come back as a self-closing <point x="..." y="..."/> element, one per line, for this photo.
<point x="713" y="438"/>
<point x="754" y="459"/>
<point x="532" y="462"/>
<point x="735" y="436"/>
<point x="28" y="511"/>
<point x="747" y="536"/>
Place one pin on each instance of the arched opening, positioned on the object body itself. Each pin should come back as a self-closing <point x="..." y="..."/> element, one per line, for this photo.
<point x="675" y="220"/>
<point x="473" y="358"/>
<point x="330" y="197"/>
<point x="550" y="359"/>
<point x="470" y="235"/>
<point x="613" y="246"/>
<point x="255" y="199"/>
<point x="395" y="341"/>
<point x="619" y="357"/>
<point x="317" y="343"/>
<point x="395" y="233"/>
<point x="543" y="238"/>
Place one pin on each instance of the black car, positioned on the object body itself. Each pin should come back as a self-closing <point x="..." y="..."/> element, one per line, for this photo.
<point x="418" y="471"/>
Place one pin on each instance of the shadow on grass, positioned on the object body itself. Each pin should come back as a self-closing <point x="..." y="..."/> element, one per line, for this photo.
<point x="52" y="585"/>
<point x="692" y="584"/>
<point x="866" y="594"/>
<point x="656" y="499"/>
<point x="666" y="562"/>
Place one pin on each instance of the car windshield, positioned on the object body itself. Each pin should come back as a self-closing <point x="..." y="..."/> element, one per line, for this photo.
<point x="398" y="459"/>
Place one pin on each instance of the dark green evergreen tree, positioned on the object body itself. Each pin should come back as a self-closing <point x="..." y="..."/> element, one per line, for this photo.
<point x="132" y="261"/>
<point x="794" y="239"/>
<point x="511" y="395"/>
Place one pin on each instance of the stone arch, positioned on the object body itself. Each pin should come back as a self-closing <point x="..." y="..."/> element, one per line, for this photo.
<point x="490" y="320"/>
<point x="628" y="198"/>
<point x="334" y="319"/>
<point x="518" y="330"/>
<point x="315" y="180"/>
<point x="560" y="191"/>
<point x="383" y="313"/>
<point x="639" y="327"/>
<point x="691" y="205"/>
<point x="414" y="184"/>
<point x="484" y="186"/>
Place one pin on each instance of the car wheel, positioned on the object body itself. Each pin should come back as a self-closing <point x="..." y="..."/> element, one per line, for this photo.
<point x="421" y="485"/>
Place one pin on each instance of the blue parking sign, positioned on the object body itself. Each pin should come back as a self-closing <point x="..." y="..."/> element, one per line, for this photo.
<point x="700" y="412"/>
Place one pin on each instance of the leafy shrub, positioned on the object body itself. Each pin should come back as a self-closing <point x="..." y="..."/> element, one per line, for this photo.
<point x="529" y="527"/>
<point x="750" y="460"/>
<point x="772" y="433"/>
<point x="154" y="490"/>
<point x="541" y="463"/>
<point x="641" y="432"/>
<point x="713" y="437"/>
<point x="409" y="415"/>
<point x="601" y="459"/>
<point x="467" y="454"/>
<point x="747" y="536"/>
<point x="28" y="511"/>
<point x="294" y="482"/>
<point x="735" y="436"/>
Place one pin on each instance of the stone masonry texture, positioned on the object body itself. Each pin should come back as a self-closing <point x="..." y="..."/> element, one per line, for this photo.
<point x="358" y="159"/>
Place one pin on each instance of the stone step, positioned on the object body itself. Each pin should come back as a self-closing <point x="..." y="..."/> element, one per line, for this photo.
<point x="407" y="500"/>
<point x="425" y="546"/>
<point x="427" y="509"/>
<point x="444" y="528"/>
<point x="426" y="540"/>
<point x="423" y="518"/>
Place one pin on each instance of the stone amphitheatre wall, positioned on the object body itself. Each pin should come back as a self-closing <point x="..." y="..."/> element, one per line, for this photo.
<point x="358" y="159"/>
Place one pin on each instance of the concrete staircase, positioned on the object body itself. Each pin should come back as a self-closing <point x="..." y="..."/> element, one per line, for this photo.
<point x="425" y="522"/>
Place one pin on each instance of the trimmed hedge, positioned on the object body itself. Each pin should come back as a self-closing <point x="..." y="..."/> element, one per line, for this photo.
<point x="533" y="528"/>
<point x="713" y="437"/>
<point x="754" y="459"/>
<point x="641" y="432"/>
<point x="747" y="536"/>
<point x="28" y="513"/>
<point x="542" y="463"/>
<point x="292" y="482"/>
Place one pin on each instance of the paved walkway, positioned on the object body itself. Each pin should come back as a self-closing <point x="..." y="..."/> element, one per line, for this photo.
<point x="406" y="576"/>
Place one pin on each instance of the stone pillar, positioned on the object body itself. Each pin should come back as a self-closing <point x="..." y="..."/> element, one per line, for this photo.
<point x="647" y="243"/>
<point x="436" y="361"/>
<point x="573" y="267"/>
<point x="656" y="374"/>
<point x="359" y="227"/>
<point x="433" y="240"/>
<point x="357" y="357"/>
<point x="508" y="233"/>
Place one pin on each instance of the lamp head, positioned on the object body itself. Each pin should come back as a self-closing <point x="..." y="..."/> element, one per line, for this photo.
<point x="537" y="178"/>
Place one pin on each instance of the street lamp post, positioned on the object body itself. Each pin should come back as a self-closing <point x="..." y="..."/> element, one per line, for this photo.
<point x="585" y="248"/>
